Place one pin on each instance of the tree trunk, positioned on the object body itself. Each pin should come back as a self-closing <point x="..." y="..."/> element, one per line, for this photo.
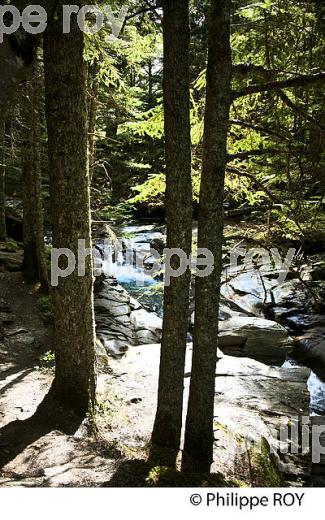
<point x="34" y="264"/>
<point x="66" y="112"/>
<point x="168" y="423"/>
<point x="198" y="452"/>
<point x="3" y="232"/>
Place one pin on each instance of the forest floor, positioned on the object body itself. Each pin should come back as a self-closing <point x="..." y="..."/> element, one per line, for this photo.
<point x="44" y="445"/>
<point x="38" y="451"/>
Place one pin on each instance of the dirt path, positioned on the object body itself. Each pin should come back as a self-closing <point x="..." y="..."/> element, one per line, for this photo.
<point x="24" y="338"/>
<point x="37" y="452"/>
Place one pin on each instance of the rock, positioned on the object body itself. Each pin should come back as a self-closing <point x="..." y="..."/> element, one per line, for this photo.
<point x="159" y="244"/>
<point x="147" y="327"/>
<point x="134" y="304"/>
<point x="104" y="230"/>
<point x="300" y="322"/>
<point x="256" y="338"/>
<point x="121" y="321"/>
<point x="101" y="354"/>
<point x="143" y="320"/>
<point x="245" y="290"/>
<point x="14" y="224"/>
<point x="318" y="271"/>
<point x="114" y="307"/>
<point x="145" y="337"/>
<point x="114" y="347"/>
<point x="309" y="350"/>
<point x="253" y="404"/>
<point x="290" y="294"/>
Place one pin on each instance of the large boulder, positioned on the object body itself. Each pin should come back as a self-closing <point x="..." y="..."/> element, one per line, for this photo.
<point x="103" y="230"/>
<point x="14" y="223"/>
<point x="256" y="338"/>
<point x="121" y="321"/>
<point x="147" y="327"/>
<point x="254" y="403"/>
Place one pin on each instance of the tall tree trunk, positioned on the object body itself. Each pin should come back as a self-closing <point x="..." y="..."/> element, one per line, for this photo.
<point x="199" y="436"/>
<point x="34" y="264"/>
<point x="66" y="112"/>
<point x="168" y="423"/>
<point x="3" y="231"/>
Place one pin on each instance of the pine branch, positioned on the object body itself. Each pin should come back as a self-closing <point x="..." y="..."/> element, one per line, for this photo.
<point x="300" y="81"/>
<point x="258" y="128"/>
<point x="264" y="151"/>
<point x="299" y="109"/>
<point x="244" y="173"/>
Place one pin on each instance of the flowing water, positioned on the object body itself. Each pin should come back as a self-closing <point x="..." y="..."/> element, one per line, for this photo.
<point x="134" y="277"/>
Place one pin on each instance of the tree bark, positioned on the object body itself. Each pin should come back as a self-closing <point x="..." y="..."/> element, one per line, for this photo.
<point x="168" y="423"/>
<point x="66" y="113"/>
<point x="3" y="231"/>
<point x="199" y="437"/>
<point x="34" y="264"/>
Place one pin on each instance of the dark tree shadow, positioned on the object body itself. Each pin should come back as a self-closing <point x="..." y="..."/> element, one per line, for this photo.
<point x="143" y="473"/>
<point x="130" y="474"/>
<point x="17" y="379"/>
<point x="49" y="416"/>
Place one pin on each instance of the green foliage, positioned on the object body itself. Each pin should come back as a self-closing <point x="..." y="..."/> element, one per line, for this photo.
<point x="10" y="245"/>
<point x="47" y="360"/>
<point x="264" y="467"/>
<point x="115" y="214"/>
<point x="45" y="306"/>
<point x="151" y="192"/>
<point x="128" y="73"/>
<point x="278" y="154"/>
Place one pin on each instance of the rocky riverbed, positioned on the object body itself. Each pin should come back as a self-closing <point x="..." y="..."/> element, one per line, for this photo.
<point x="270" y="375"/>
<point x="272" y="344"/>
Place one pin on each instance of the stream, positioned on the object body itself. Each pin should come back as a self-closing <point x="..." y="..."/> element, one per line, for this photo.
<point x="137" y="239"/>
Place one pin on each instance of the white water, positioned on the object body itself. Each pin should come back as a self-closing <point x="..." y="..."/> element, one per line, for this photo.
<point x="130" y="276"/>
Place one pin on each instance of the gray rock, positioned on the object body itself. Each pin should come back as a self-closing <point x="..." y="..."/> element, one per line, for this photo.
<point x="256" y="338"/>
<point x="143" y="320"/>
<point x="254" y="403"/>
<point x="121" y="321"/>
<point x="101" y="353"/>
